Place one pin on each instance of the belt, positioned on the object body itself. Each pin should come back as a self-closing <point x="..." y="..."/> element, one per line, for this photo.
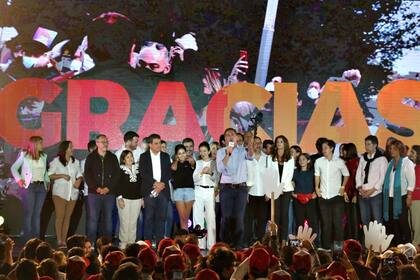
<point x="234" y="186"/>
<point x="38" y="182"/>
<point x="206" y="187"/>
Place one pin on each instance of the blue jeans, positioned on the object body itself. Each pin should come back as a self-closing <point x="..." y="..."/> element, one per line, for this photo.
<point x="32" y="200"/>
<point x="371" y="209"/>
<point x="156" y="209"/>
<point x="233" y="204"/>
<point x="99" y="206"/>
<point x="169" y="219"/>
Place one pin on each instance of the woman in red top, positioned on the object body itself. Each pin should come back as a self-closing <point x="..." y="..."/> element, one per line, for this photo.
<point x="351" y="158"/>
<point x="415" y="195"/>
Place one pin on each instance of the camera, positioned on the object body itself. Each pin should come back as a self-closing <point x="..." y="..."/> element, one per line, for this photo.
<point x="295" y="243"/>
<point x="198" y="231"/>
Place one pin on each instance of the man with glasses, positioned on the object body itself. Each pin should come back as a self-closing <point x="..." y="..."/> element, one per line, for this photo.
<point x="101" y="175"/>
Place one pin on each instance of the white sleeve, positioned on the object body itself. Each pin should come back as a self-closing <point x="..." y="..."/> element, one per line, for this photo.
<point x="381" y="174"/>
<point x="53" y="167"/>
<point x="359" y="173"/>
<point x="289" y="169"/>
<point x="317" y="169"/>
<point x="410" y="175"/>
<point x="79" y="172"/>
<point x="344" y="169"/>
<point x="17" y="165"/>
<point x="197" y="170"/>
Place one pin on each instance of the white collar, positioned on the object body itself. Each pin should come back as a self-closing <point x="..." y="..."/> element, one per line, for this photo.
<point x="132" y="172"/>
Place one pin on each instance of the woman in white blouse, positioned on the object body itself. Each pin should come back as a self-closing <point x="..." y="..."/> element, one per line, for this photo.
<point x="30" y="172"/>
<point x="204" y="180"/>
<point x="286" y="167"/>
<point x="67" y="175"/>
<point x="399" y="184"/>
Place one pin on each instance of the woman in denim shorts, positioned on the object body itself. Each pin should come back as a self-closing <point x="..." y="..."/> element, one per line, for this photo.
<point x="183" y="184"/>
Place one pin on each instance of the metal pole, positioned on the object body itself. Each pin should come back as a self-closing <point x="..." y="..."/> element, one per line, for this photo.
<point x="266" y="43"/>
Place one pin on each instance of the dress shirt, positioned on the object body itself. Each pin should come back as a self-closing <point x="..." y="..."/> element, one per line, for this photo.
<point x="377" y="171"/>
<point x="257" y="167"/>
<point x="157" y="173"/>
<point x="408" y="178"/>
<point x="203" y="179"/>
<point x="62" y="187"/>
<point x="235" y="172"/>
<point x="330" y="173"/>
<point x="136" y="153"/>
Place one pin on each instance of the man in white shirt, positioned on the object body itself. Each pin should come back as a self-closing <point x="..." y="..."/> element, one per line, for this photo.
<point x="155" y="173"/>
<point x="370" y="178"/>
<point x="257" y="204"/>
<point x="331" y="176"/>
<point x="131" y="143"/>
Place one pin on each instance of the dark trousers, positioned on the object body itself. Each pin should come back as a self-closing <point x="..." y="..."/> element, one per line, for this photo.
<point x="282" y="214"/>
<point x="76" y="215"/>
<point x="156" y="209"/>
<point x="256" y="218"/>
<point x="332" y="211"/>
<point x="99" y="206"/>
<point x="400" y="227"/>
<point x="352" y="213"/>
<point x="32" y="200"/>
<point x="307" y="212"/>
<point x="233" y="204"/>
<point x="46" y="213"/>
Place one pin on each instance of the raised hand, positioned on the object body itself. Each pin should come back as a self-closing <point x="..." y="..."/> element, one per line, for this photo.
<point x="376" y="238"/>
<point x="304" y="233"/>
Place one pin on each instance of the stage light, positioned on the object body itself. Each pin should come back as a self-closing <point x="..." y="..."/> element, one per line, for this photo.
<point x="1" y="220"/>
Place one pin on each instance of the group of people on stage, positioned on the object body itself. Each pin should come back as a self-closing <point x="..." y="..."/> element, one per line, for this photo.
<point x="334" y="195"/>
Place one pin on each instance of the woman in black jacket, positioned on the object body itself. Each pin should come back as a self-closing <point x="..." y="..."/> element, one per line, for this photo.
<point x="128" y="199"/>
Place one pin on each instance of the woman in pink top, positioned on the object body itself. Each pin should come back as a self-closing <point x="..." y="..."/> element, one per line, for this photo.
<point x="415" y="207"/>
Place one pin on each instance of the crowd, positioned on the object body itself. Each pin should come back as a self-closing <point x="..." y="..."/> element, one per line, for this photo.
<point x="226" y="188"/>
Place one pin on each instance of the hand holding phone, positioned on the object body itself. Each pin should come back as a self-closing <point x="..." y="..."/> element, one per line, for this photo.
<point x="337" y="252"/>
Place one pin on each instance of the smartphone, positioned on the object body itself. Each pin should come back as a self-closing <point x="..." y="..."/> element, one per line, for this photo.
<point x="295" y="243"/>
<point x="337" y="251"/>
<point x="389" y="262"/>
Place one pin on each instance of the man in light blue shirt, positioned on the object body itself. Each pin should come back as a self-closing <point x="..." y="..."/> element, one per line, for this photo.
<point x="231" y="164"/>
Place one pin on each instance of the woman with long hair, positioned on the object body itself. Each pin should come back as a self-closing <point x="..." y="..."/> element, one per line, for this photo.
<point x="397" y="193"/>
<point x="286" y="167"/>
<point x="183" y="184"/>
<point x="128" y="198"/>
<point x="351" y="158"/>
<point x="30" y="172"/>
<point x="67" y="176"/>
<point x="205" y="175"/>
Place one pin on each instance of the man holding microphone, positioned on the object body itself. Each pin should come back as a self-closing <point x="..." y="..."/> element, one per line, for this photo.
<point x="231" y="164"/>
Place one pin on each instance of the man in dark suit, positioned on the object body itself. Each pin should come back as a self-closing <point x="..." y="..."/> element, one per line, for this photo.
<point x="155" y="172"/>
